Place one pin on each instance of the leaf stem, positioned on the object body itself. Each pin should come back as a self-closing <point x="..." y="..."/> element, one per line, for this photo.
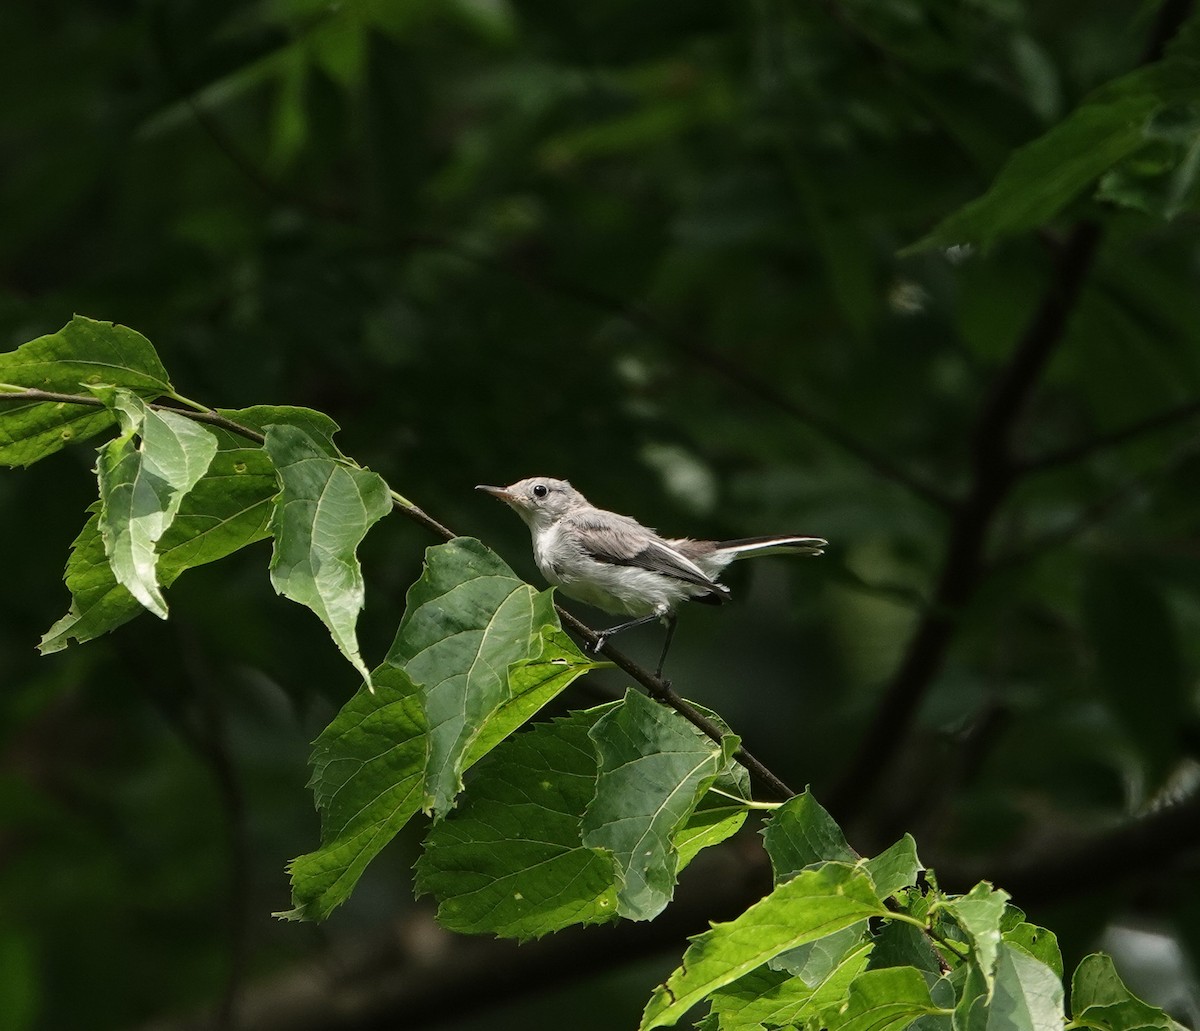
<point x="748" y="803"/>
<point x="196" y="405"/>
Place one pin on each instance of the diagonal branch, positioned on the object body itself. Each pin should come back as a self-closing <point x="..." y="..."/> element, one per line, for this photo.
<point x="655" y="686"/>
<point x="1086" y="449"/>
<point x="993" y="473"/>
<point x="992" y="476"/>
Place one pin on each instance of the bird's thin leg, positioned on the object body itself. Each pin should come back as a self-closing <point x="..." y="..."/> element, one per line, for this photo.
<point x="670" y="620"/>
<point x="604" y="635"/>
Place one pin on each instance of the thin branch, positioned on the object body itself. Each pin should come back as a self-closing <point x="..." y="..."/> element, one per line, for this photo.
<point x="209" y="417"/>
<point x="993" y="473"/>
<point x="1100" y="510"/>
<point x="992" y="476"/>
<point x="657" y="687"/>
<point x="1128" y="852"/>
<point x="1115" y="438"/>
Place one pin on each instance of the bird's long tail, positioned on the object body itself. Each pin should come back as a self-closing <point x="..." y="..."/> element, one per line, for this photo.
<point x="788" y="545"/>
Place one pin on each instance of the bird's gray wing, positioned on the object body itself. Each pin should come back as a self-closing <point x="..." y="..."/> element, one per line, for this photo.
<point x="621" y="541"/>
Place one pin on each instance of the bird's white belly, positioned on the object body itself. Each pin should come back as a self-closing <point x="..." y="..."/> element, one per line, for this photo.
<point x="622" y="590"/>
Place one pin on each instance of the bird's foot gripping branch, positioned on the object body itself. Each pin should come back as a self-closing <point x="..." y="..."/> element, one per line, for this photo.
<point x="582" y="819"/>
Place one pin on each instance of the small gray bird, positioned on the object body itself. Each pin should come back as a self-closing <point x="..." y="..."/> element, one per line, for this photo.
<point x="614" y="563"/>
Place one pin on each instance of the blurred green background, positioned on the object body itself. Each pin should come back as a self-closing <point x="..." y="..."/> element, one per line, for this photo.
<point x="653" y="249"/>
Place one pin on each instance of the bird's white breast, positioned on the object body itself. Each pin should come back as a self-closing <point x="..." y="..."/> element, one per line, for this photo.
<point x="623" y="590"/>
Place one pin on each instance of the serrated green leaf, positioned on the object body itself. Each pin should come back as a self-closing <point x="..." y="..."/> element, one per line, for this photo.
<point x="801" y="833"/>
<point x="369" y="764"/>
<point x="509" y="860"/>
<point x="811" y="905"/>
<point x="1040" y="943"/>
<point x="227" y="509"/>
<point x="774" y="998"/>
<point x="654" y="768"/>
<point x="812" y="962"/>
<point x="324" y="509"/>
<point x="1042" y="177"/>
<point x="367" y="773"/>
<point x="83" y="353"/>
<point x="882" y="1000"/>
<point x="1028" y="995"/>
<point x="759" y="998"/>
<point x="144" y="475"/>
<point x="472" y="633"/>
<point x="895" y="867"/>
<point x="978" y="915"/>
<point x="901" y="944"/>
<point x="705" y="828"/>
<point x="1099" y="999"/>
<point x="319" y="426"/>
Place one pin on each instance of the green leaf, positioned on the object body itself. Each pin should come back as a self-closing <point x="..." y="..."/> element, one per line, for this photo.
<point x="369" y="764"/>
<point x="509" y="860"/>
<point x="324" y="509"/>
<point x="1040" y="943"/>
<point x="83" y="353"/>
<point x="316" y="424"/>
<point x="654" y="768"/>
<point x="811" y="905"/>
<point x="880" y="1000"/>
<point x="978" y="915"/>
<point x="895" y="867"/>
<point x="470" y="628"/>
<point x="227" y="509"/>
<point x="901" y="944"/>
<point x="705" y="828"/>
<point x="142" y="485"/>
<point x="1028" y="995"/>
<point x="367" y="775"/>
<point x="773" y="998"/>
<point x="1042" y="177"/>
<point x="801" y="833"/>
<point x="812" y="962"/>
<point x="1099" y="999"/>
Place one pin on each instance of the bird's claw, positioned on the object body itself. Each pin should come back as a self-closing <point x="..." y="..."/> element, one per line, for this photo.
<point x="599" y="643"/>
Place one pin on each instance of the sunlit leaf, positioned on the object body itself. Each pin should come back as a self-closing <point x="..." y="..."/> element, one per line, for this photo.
<point x="324" y="509"/>
<point x="654" y="768"/>
<point x="811" y="905"/>
<point x="144" y="475"/>
<point x="83" y="353"/>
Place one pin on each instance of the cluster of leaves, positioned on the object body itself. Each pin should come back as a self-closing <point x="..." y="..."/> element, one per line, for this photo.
<point x="582" y="819"/>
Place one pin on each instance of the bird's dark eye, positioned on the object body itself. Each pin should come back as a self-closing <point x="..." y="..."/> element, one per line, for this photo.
<point x="540" y="490"/>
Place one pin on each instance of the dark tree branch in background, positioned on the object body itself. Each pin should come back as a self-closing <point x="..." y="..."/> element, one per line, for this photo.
<point x="1087" y="448"/>
<point x="1099" y="510"/>
<point x="418" y="975"/>
<point x="993" y="472"/>
<point x="657" y="687"/>
<point x="992" y="476"/>
<point x="1130" y="852"/>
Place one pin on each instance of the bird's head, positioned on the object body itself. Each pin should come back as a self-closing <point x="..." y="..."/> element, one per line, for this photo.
<point x="540" y="500"/>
